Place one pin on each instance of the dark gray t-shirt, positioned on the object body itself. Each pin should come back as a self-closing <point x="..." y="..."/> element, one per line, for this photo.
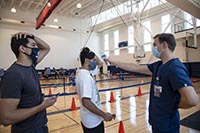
<point x="22" y="83"/>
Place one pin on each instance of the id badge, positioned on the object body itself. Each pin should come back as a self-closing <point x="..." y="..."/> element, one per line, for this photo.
<point x="157" y="90"/>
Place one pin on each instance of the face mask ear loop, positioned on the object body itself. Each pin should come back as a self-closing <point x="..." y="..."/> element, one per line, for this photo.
<point x="25" y="52"/>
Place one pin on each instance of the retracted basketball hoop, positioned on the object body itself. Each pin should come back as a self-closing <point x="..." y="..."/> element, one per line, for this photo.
<point x="139" y="53"/>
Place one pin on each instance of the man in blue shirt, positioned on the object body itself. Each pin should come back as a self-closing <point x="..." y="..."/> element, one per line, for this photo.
<point x="171" y="87"/>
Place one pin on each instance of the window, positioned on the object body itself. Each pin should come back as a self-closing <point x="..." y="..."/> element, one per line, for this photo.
<point x="151" y="4"/>
<point x="198" y="22"/>
<point x="188" y="23"/>
<point x="112" y="13"/>
<point x="131" y="39"/>
<point x="154" y="3"/>
<point x="148" y="47"/>
<point x="94" y="19"/>
<point x="147" y="30"/>
<point x="165" y="20"/>
<point x="116" y="42"/>
<point x="106" y="45"/>
<point x="102" y="17"/>
<point x="141" y="5"/>
<point x="125" y="8"/>
<point x="120" y="9"/>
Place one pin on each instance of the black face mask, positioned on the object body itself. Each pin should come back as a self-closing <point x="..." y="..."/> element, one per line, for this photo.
<point x="34" y="55"/>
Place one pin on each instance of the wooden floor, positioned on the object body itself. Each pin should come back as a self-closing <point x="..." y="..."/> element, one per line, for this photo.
<point x="129" y="108"/>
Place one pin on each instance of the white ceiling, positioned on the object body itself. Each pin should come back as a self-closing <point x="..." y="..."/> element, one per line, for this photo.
<point x="68" y="7"/>
<point x="190" y="6"/>
<point x="196" y="2"/>
<point x="65" y="8"/>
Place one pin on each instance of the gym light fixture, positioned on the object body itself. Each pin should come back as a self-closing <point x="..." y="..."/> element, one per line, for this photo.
<point x="79" y="5"/>
<point x="55" y="20"/>
<point x="13" y="10"/>
<point x="49" y="4"/>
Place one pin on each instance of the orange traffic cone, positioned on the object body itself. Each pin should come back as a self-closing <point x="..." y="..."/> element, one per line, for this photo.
<point x="192" y="80"/>
<point x="121" y="127"/>
<point x="50" y="92"/>
<point x="139" y="92"/>
<point x="73" y="105"/>
<point x="112" y="99"/>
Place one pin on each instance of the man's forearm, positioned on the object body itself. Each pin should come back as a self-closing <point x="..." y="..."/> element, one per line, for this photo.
<point x="184" y="104"/>
<point x="41" y="44"/>
<point x="11" y="117"/>
<point x="99" y="62"/>
<point x="132" y="67"/>
<point x="189" y="98"/>
<point x="91" y="107"/>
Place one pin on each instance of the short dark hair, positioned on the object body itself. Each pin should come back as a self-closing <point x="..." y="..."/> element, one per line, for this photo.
<point x="86" y="53"/>
<point x="166" y="37"/>
<point x="16" y="43"/>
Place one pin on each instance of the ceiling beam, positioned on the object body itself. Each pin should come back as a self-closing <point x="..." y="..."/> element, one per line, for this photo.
<point x="86" y="5"/>
<point x="30" y="3"/>
<point x="20" y="4"/>
<point x="93" y="7"/>
<point x="2" y="3"/>
<point x="41" y="3"/>
<point x="11" y="4"/>
<point x="186" y="6"/>
<point x="66" y="6"/>
<point x="95" y="10"/>
<point x="195" y="2"/>
<point x="61" y="6"/>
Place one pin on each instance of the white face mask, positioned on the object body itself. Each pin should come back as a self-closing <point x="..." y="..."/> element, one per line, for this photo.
<point x="156" y="53"/>
<point x="95" y="71"/>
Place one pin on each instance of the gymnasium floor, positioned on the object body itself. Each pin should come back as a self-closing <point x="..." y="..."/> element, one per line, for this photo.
<point x="129" y="108"/>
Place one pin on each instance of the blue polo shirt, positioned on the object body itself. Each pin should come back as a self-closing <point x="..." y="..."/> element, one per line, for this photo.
<point x="167" y="79"/>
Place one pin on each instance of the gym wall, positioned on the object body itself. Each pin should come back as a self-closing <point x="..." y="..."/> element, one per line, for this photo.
<point x="65" y="43"/>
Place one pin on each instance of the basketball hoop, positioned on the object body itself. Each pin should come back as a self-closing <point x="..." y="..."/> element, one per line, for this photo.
<point x="191" y="41"/>
<point x="139" y="53"/>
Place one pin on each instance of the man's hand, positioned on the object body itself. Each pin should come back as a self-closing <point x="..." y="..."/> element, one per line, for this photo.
<point x="21" y="35"/>
<point x="107" y="61"/>
<point x="47" y="102"/>
<point x="108" y="117"/>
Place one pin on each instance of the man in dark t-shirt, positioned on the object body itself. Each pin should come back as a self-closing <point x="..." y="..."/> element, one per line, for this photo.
<point x="22" y="104"/>
<point x="171" y="87"/>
